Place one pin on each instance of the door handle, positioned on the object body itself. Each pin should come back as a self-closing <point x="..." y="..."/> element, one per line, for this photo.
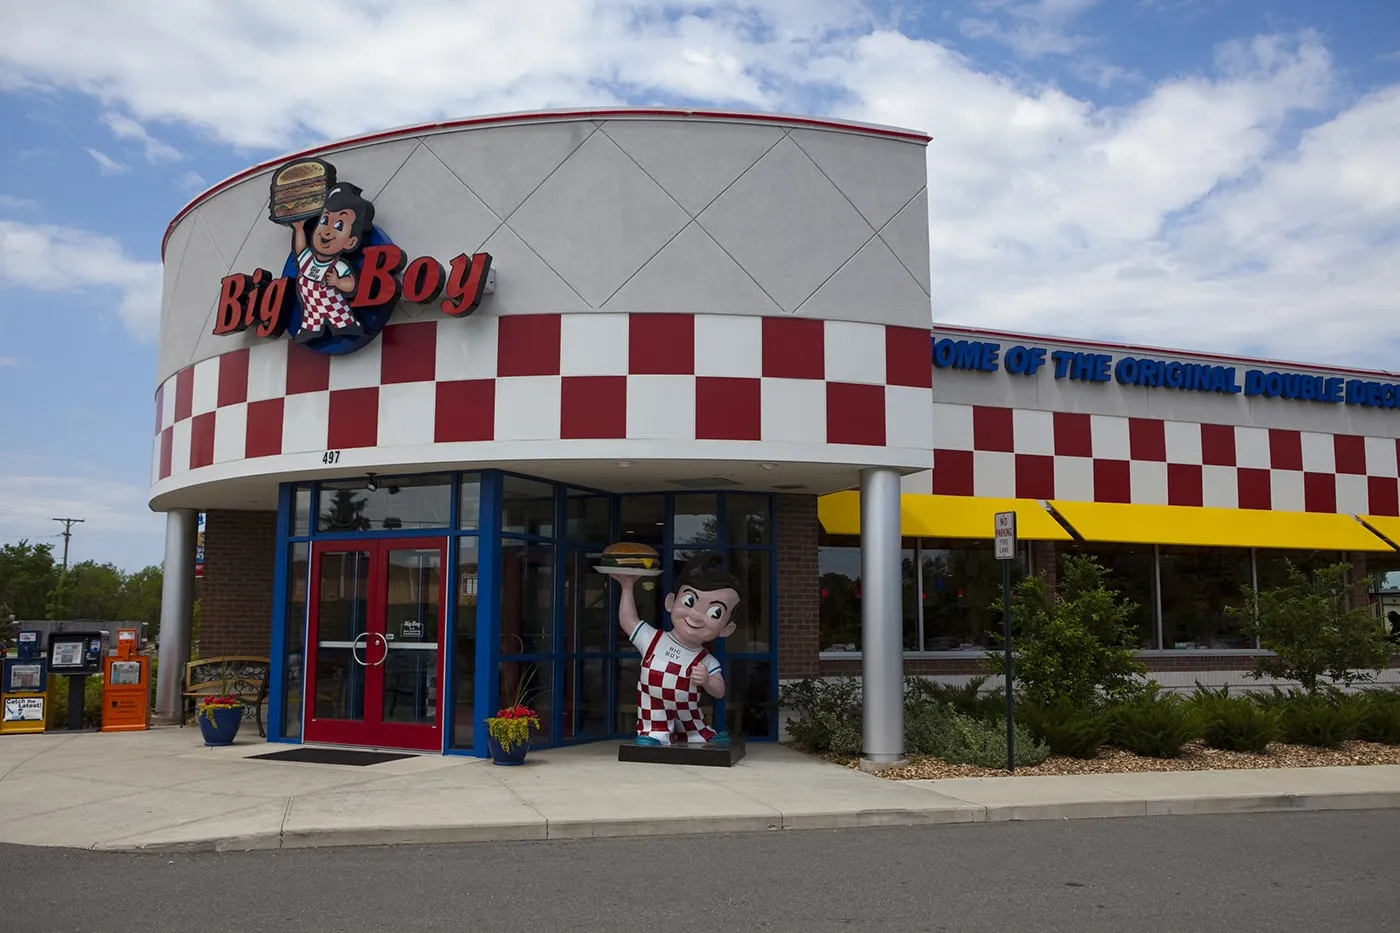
<point x="385" y="657"/>
<point x="354" y="646"/>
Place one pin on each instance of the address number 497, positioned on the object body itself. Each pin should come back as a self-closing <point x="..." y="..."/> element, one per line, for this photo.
<point x="330" y="456"/>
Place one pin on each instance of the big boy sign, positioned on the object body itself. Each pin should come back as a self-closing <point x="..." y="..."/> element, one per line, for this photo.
<point x="343" y="277"/>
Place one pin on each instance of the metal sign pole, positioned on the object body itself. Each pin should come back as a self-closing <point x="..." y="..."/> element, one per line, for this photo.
<point x="1005" y="538"/>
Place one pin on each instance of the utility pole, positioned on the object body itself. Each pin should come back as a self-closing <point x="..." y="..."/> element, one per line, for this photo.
<point x="68" y="524"/>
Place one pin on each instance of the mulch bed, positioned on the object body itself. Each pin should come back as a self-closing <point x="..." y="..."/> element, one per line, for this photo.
<point x="1194" y="757"/>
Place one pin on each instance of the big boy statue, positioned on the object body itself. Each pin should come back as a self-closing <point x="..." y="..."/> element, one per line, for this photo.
<point x="675" y="664"/>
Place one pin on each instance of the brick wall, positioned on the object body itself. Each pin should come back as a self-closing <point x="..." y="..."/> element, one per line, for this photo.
<point x="799" y="595"/>
<point x="235" y="607"/>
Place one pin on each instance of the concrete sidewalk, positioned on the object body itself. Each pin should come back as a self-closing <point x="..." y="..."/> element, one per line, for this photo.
<point x="163" y="790"/>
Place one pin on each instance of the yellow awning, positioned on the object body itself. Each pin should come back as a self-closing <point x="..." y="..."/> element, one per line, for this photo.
<point x="944" y="517"/>
<point x="1206" y="527"/>
<point x="1387" y="525"/>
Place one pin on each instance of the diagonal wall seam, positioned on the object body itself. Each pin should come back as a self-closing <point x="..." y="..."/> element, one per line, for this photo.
<point x="499" y="222"/>
<point x="894" y="252"/>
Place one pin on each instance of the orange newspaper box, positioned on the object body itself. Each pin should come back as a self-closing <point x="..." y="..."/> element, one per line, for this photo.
<point x="126" y="687"/>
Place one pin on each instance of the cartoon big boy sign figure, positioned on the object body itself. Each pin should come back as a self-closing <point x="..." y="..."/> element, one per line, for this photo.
<point x="330" y="222"/>
<point x="675" y="664"/>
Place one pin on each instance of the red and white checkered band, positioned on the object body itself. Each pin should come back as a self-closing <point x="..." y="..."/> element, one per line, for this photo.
<point x="985" y="451"/>
<point x="614" y="384"/>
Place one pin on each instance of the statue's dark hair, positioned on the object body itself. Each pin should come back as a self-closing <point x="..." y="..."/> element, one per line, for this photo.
<point x="706" y="572"/>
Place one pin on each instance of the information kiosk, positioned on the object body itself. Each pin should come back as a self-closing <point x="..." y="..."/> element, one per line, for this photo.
<point x="23" y="682"/>
<point x="126" y="687"/>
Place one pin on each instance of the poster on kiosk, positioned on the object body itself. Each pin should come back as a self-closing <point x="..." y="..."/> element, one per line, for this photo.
<point x="24" y="681"/>
<point x="126" y="686"/>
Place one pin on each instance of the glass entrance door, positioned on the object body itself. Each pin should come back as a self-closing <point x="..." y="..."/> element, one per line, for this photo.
<point x="375" y="626"/>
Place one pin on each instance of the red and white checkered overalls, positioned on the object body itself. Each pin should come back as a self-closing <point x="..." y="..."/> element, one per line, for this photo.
<point x="320" y="303"/>
<point x="665" y="697"/>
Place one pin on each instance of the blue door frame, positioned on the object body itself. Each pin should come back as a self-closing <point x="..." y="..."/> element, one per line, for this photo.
<point x="289" y="633"/>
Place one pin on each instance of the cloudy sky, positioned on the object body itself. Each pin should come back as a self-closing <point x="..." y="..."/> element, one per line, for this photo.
<point x="1210" y="174"/>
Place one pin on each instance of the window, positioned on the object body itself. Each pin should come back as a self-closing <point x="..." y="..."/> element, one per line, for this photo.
<point x="1132" y="572"/>
<point x="527" y="507"/>
<point x="394" y="505"/>
<point x="527" y="598"/>
<point x="960" y="583"/>
<point x="839" y="573"/>
<point x="1197" y="586"/>
<point x="463" y="666"/>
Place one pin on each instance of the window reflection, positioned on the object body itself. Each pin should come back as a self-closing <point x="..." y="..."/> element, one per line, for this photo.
<point x="1197" y="585"/>
<point x="959" y="586"/>
<point x="527" y="507"/>
<point x="527" y="597"/>
<point x="394" y="505"/>
<point x="839" y="576"/>
<point x="1132" y="573"/>
<point x="463" y="665"/>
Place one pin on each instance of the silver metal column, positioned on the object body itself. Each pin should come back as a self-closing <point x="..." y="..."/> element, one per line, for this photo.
<point x="881" y="619"/>
<point x="176" y="612"/>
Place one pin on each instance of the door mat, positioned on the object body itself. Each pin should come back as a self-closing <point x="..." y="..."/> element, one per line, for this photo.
<point x="331" y="756"/>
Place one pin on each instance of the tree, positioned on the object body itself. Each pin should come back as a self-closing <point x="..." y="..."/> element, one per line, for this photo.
<point x="345" y="513"/>
<point x="1313" y="630"/>
<point x="1075" y="643"/>
<point x="28" y="575"/>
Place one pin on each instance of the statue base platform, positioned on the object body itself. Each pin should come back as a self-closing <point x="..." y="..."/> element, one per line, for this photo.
<point x="718" y="755"/>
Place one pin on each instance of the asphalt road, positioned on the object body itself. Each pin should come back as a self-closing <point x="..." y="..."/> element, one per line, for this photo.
<point x="1276" y="872"/>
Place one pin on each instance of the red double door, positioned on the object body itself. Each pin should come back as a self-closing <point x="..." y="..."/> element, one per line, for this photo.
<point x="375" y="630"/>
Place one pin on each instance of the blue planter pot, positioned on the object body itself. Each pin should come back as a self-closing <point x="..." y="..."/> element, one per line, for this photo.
<point x="224" y="727"/>
<point x="500" y="756"/>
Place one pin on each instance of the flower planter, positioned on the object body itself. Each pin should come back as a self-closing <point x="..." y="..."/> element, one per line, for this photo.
<point x="224" y="728"/>
<point x="516" y="756"/>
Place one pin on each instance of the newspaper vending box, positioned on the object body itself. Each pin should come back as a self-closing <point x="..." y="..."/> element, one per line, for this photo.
<point x="126" y="686"/>
<point x="24" y="683"/>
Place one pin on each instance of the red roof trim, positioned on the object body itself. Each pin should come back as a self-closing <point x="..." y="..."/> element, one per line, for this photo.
<point x="544" y="115"/>
<point x="1104" y="345"/>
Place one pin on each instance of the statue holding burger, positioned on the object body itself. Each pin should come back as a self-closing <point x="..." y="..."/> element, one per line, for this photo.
<point x="676" y="666"/>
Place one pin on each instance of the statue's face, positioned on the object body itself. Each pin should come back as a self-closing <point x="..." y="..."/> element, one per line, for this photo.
<point x="700" y="616"/>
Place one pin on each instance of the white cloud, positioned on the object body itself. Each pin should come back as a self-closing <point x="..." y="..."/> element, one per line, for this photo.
<point x="11" y="203"/>
<point x="106" y="163"/>
<point x="117" y="525"/>
<point x="8" y="361"/>
<point x="123" y="127"/>
<point x="50" y="258"/>
<point x="1233" y="208"/>
<point x="191" y="182"/>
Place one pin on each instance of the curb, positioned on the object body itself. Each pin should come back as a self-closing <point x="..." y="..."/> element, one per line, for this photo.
<point x="853" y="819"/>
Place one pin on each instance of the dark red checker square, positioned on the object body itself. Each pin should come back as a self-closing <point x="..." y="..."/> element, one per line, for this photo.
<point x="1185" y="484"/>
<point x="233" y="377"/>
<point x="184" y="393"/>
<point x="354" y="418"/>
<point x="1218" y="444"/>
<point x="855" y="414"/>
<point x="408" y="353"/>
<point x="992" y="429"/>
<point x="1285" y="449"/>
<point x="1147" y="439"/>
<point x="728" y="408"/>
<point x="528" y="345"/>
<point x="1113" y="481"/>
<point x="593" y="406"/>
<point x="307" y="371"/>
<point x="1350" y="450"/>
<point x="908" y="357"/>
<point x="466" y="411"/>
<point x="1073" y="437"/>
<point x="1320" y="492"/>
<point x="1255" y="489"/>
<point x="660" y="345"/>
<point x="167" y="446"/>
<point x="202" y="440"/>
<point x="264" y="434"/>
<point x="952" y="472"/>
<point x="1383" y="492"/>
<point x="160" y="404"/>
<point x="1035" y="476"/>
<point x="795" y="348"/>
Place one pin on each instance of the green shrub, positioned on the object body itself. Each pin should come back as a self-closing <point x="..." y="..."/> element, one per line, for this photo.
<point x="1067" y="729"/>
<point x="943" y="732"/>
<point x="1074" y="643"/>
<point x="56" y="714"/>
<point x="828" y="714"/>
<point x="1234" y="724"/>
<point x="1324" y="720"/>
<point x="968" y="699"/>
<point x="1380" y="720"/>
<point x="1155" y="725"/>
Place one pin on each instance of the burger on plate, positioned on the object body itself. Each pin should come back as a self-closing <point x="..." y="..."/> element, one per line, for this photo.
<point x="631" y="555"/>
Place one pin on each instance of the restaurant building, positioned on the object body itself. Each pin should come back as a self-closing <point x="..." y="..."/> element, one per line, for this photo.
<point x="416" y="381"/>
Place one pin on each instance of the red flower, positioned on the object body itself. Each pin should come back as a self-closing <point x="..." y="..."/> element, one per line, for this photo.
<point x="516" y="712"/>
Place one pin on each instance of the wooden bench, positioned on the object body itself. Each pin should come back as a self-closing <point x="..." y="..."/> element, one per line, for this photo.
<point x="245" y="677"/>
